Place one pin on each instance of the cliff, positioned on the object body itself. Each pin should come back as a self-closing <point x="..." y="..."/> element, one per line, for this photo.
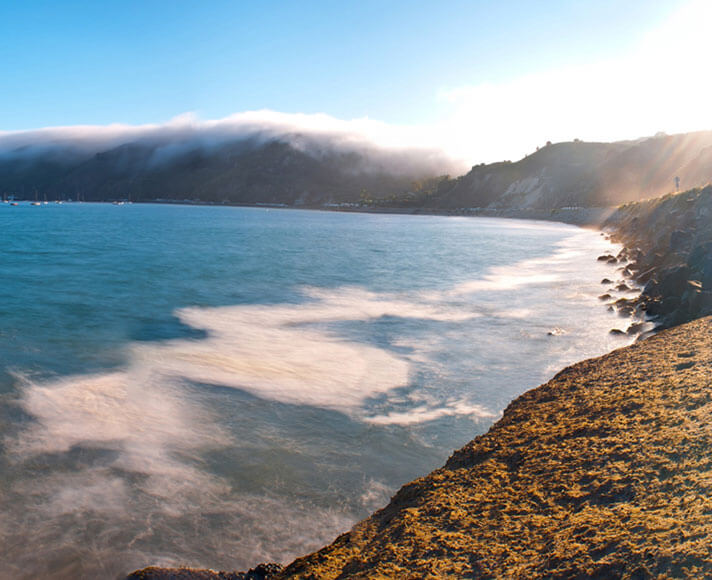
<point x="668" y="251"/>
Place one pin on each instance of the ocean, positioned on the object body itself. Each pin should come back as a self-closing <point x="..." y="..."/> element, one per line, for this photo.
<point x="221" y="386"/>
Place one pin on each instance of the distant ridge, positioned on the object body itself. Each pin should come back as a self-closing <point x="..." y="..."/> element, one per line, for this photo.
<point x="316" y="171"/>
<point x="290" y="170"/>
<point x="584" y="174"/>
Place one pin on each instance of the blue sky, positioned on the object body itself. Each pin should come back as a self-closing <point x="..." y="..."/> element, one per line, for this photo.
<point x="402" y="63"/>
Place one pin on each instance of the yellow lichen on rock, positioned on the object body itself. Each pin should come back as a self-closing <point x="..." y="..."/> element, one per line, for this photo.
<point x="605" y="471"/>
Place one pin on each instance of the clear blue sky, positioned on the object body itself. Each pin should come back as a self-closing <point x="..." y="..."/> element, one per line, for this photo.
<point x="99" y="62"/>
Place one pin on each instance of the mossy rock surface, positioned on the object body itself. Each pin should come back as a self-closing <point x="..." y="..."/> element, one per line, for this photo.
<point x="603" y="472"/>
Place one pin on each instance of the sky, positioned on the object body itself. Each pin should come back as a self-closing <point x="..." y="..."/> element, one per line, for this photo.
<point x="484" y="80"/>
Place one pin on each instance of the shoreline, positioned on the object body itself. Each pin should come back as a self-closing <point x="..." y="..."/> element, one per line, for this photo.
<point x="268" y="571"/>
<point x="599" y="472"/>
<point x="660" y="241"/>
<point x="591" y="217"/>
<point x="584" y="217"/>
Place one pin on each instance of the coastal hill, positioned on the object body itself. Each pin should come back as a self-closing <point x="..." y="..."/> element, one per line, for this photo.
<point x="583" y="174"/>
<point x="252" y="168"/>
<point x="301" y="170"/>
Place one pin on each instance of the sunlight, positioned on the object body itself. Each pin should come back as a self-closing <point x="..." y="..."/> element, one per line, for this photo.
<point x="661" y="86"/>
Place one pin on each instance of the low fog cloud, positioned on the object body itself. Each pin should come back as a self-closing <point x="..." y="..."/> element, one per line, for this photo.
<point x="381" y="146"/>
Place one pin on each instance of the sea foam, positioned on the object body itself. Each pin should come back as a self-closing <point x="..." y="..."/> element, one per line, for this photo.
<point x="145" y="467"/>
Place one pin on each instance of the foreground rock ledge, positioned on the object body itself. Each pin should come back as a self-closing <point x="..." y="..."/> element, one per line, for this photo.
<point x="605" y="471"/>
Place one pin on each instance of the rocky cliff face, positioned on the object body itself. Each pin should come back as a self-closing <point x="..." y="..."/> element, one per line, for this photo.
<point x="669" y="244"/>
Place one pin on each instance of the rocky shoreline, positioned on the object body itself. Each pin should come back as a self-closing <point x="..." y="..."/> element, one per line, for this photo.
<point x="601" y="472"/>
<point x="668" y="252"/>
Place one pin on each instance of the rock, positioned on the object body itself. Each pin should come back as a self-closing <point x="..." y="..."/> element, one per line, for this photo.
<point x="616" y="331"/>
<point x="647" y="275"/>
<point x="623" y="287"/>
<point x="680" y="241"/>
<point x="625" y="307"/>
<point x="651" y="289"/>
<point x="701" y="304"/>
<point x="662" y="306"/>
<point x="260" y="572"/>
<point x="605" y="297"/>
<point x="605" y="258"/>
<point x="673" y="281"/>
<point x="635" y="328"/>
<point x="700" y="261"/>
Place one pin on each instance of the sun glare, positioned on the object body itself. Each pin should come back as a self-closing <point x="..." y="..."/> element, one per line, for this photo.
<point x="662" y="85"/>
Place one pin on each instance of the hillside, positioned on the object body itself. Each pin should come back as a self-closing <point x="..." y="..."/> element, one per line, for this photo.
<point x="316" y="171"/>
<point x="602" y="472"/>
<point x="584" y="174"/>
<point x="290" y="170"/>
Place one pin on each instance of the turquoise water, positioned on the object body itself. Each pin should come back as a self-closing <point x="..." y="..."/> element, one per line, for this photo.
<point x="221" y="386"/>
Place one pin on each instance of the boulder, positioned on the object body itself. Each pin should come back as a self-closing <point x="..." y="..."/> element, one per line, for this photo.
<point x="635" y="328"/>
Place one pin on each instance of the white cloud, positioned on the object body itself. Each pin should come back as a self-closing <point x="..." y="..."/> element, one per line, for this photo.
<point x="399" y="148"/>
<point x="662" y="84"/>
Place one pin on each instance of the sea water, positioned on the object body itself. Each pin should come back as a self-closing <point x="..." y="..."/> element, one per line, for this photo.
<point x="219" y="386"/>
